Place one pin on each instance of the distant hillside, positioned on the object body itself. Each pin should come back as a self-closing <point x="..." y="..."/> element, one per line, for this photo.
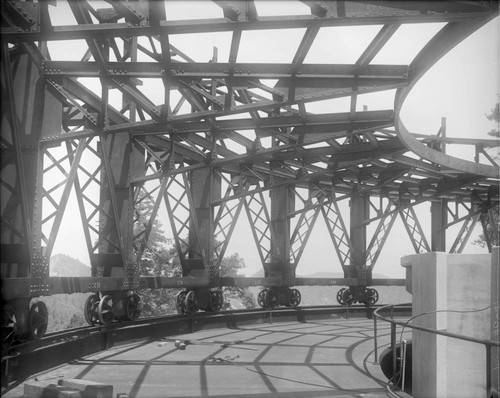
<point x="66" y="310"/>
<point x="63" y="265"/>
<point x="320" y="274"/>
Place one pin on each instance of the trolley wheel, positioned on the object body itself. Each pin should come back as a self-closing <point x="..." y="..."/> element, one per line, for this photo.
<point x="348" y="297"/>
<point x="105" y="310"/>
<point x="294" y="297"/>
<point x="90" y="309"/>
<point x="261" y="297"/>
<point x="38" y="319"/>
<point x="340" y="298"/>
<point x="372" y="296"/>
<point x="191" y="302"/>
<point x="133" y="307"/>
<point x="216" y="300"/>
<point x="179" y="301"/>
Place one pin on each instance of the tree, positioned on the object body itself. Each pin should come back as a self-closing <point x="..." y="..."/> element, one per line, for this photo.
<point x="161" y="261"/>
<point x="494" y="212"/>
<point x="230" y="267"/>
<point x="156" y="260"/>
<point x="495" y="116"/>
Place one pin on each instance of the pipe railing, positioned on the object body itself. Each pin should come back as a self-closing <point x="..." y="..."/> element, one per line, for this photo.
<point x="488" y="344"/>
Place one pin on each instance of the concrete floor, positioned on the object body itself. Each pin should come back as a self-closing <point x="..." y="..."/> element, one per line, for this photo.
<point x="321" y="358"/>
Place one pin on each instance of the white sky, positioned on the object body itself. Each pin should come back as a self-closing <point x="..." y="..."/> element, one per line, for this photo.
<point x="462" y="87"/>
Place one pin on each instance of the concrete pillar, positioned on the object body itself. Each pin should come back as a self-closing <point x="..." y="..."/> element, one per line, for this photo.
<point x="429" y="286"/>
<point x="450" y="292"/>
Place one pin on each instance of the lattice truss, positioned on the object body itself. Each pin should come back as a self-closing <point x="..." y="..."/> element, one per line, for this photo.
<point x="135" y="115"/>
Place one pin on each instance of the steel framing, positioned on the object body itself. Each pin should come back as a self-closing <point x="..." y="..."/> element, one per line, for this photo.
<point x="156" y="152"/>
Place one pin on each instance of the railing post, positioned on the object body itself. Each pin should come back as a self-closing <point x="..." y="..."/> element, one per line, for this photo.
<point x="375" y="346"/>
<point x="488" y="370"/>
<point x="403" y="364"/>
<point x="393" y="346"/>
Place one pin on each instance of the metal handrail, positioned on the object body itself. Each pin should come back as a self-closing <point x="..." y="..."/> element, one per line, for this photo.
<point x="487" y="343"/>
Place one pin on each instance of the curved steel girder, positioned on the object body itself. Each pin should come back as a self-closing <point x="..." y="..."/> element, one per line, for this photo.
<point x="444" y="41"/>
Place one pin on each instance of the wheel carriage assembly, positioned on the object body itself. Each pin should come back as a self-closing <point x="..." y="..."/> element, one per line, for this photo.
<point x="103" y="309"/>
<point x="270" y="298"/>
<point x="349" y="296"/>
<point x="190" y="301"/>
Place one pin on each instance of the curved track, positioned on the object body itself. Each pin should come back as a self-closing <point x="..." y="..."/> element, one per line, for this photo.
<point x="438" y="47"/>
<point x="27" y="359"/>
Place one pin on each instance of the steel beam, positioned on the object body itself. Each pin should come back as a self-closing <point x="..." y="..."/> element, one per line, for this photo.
<point x="104" y="30"/>
<point x="241" y="72"/>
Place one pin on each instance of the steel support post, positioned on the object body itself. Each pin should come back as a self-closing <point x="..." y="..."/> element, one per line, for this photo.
<point x="375" y="341"/>
<point x="121" y="160"/>
<point x="18" y="83"/>
<point x="359" y="211"/>
<point x="205" y="186"/>
<point x="439" y="219"/>
<point x="282" y="202"/>
<point x="29" y="114"/>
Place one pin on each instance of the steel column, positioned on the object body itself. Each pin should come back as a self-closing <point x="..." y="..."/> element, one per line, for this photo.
<point x="439" y="218"/>
<point x="205" y="186"/>
<point x="359" y="212"/>
<point x="282" y="202"/>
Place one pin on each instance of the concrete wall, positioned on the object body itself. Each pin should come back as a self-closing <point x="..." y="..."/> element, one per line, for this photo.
<point x="445" y="367"/>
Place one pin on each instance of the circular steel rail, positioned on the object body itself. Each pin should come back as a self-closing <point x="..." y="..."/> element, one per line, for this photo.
<point x="27" y="359"/>
<point x="488" y="344"/>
